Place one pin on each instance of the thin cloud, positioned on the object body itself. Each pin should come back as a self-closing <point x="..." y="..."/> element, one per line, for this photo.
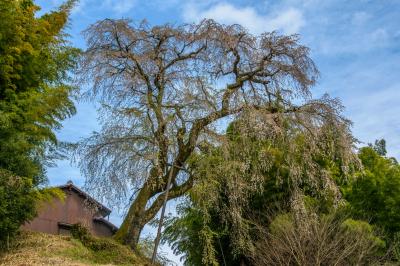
<point x="117" y="7"/>
<point x="289" y="21"/>
<point x="120" y="6"/>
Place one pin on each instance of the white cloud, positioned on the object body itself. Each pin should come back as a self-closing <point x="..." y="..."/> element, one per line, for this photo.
<point x="119" y="6"/>
<point x="288" y="21"/>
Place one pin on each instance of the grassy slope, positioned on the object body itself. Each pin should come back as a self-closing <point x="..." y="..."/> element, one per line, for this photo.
<point x="32" y="248"/>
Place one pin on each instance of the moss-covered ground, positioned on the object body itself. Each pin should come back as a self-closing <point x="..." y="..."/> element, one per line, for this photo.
<point x="32" y="248"/>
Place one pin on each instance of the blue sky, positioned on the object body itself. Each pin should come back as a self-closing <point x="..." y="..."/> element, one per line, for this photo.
<point x="355" y="44"/>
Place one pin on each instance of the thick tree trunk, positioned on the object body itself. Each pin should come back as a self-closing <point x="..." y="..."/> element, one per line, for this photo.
<point x="130" y="230"/>
<point x="138" y="215"/>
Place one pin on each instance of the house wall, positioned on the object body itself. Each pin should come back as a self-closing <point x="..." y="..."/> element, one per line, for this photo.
<point x="74" y="209"/>
<point x="101" y="229"/>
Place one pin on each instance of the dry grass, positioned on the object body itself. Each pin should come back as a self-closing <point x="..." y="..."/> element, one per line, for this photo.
<point x="31" y="248"/>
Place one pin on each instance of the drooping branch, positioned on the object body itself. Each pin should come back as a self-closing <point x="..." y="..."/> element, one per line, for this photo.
<point x="172" y="85"/>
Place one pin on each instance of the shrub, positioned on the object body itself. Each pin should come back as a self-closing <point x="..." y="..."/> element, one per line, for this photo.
<point x="17" y="204"/>
<point x="106" y="250"/>
<point x="325" y="240"/>
<point x="375" y="195"/>
<point x="81" y="233"/>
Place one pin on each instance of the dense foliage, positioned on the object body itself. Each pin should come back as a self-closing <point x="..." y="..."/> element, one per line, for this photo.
<point x="244" y="184"/>
<point x="17" y="203"/>
<point x="375" y="195"/>
<point x="34" y="97"/>
<point x="35" y="63"/>
<point x="267" y="228"/>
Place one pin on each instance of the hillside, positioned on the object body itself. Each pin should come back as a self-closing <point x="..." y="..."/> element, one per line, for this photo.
<point x="31" y="248"/>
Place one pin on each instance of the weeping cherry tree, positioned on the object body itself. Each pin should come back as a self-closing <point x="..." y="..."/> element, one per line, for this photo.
<point x="165" y="90"/>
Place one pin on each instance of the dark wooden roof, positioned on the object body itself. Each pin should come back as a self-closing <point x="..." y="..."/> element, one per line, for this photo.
<point x="106" y="222"/>
<point x="70" y="186"/>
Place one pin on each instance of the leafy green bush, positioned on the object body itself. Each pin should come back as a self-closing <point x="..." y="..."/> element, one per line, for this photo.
<point x="17" y="204"/>
<point x="96" y="244"/>
<point x="396" y="247"/>
<point x="19" y="200"/>
<point x="105" y="250"/>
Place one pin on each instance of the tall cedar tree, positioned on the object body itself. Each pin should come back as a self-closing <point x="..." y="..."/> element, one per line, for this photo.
<point x="35" y="63"/>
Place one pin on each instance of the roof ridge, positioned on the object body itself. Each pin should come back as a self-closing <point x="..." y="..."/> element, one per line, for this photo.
<point x="71" y="185"/>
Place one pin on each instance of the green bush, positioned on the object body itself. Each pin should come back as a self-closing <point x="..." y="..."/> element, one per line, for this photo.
<point x="105" y="250"/>
<point x="96" y="244"/>
<point x="17" y="204"/>
<point x="375" y="195"/>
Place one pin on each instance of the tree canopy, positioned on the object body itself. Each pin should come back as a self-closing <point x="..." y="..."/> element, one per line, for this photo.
<point x="164" y="89"/>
